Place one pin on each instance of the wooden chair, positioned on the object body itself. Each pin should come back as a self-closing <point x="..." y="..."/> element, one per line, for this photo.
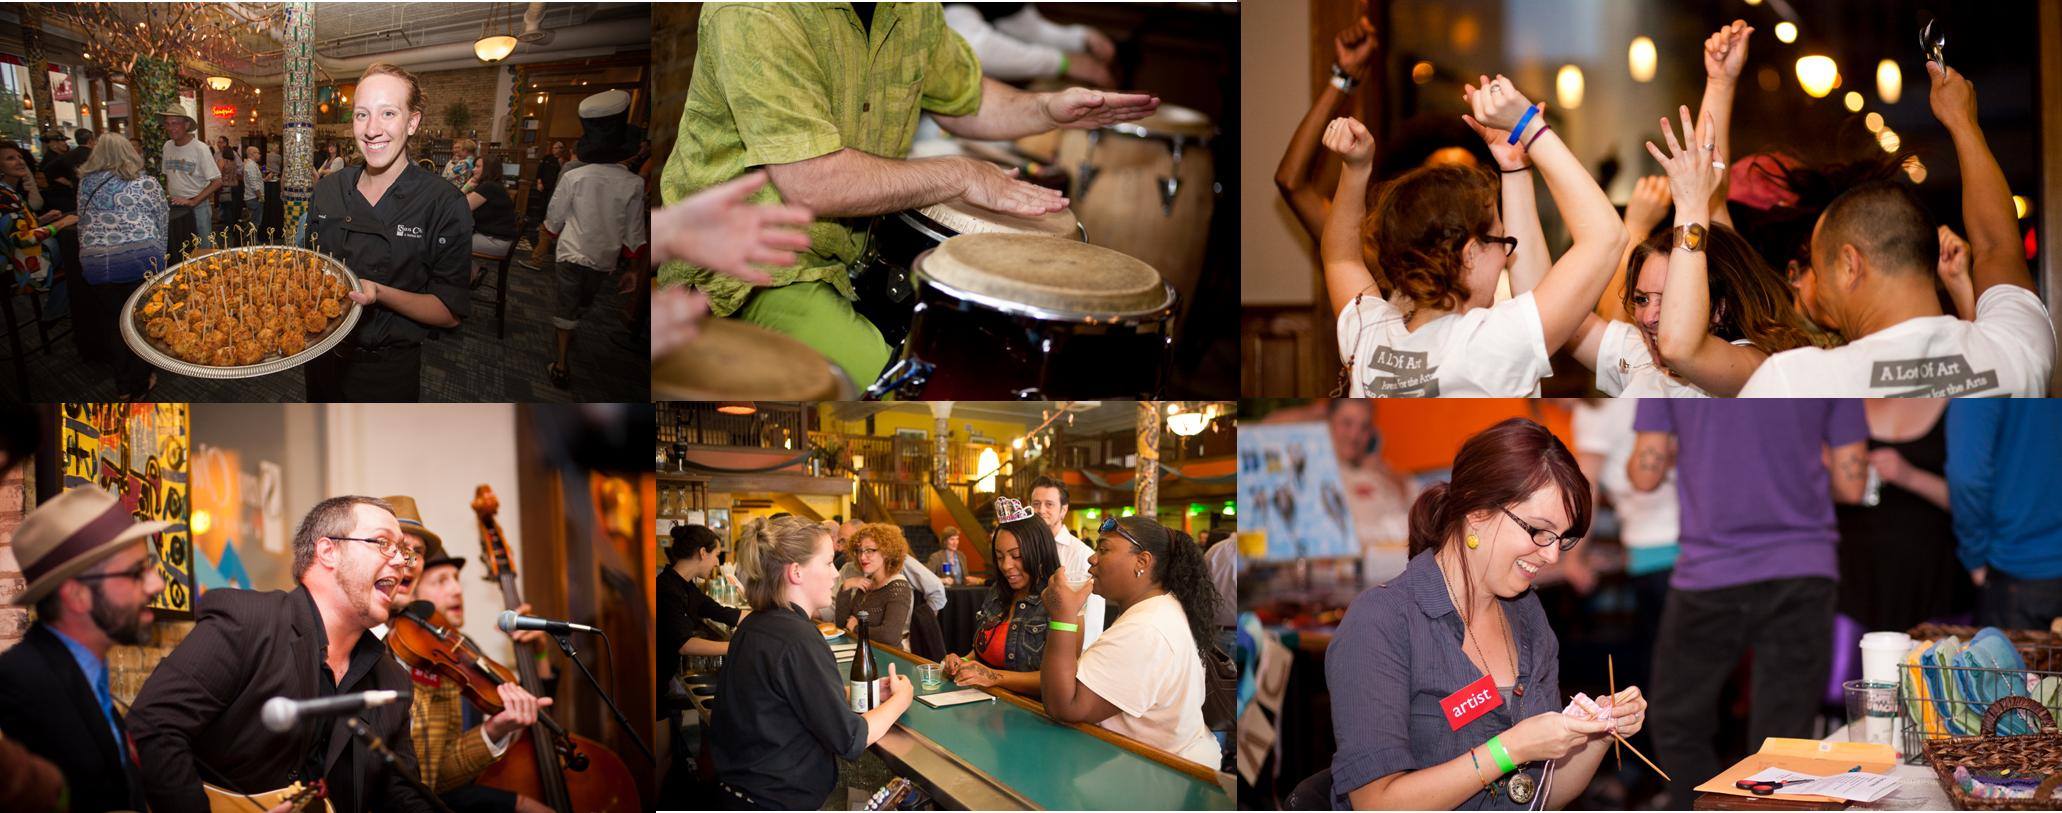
<point x="501" y="278"/>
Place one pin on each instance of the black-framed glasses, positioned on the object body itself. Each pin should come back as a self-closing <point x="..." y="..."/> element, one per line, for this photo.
<point x="138" y="572"/>
<point x="1509" y="243"/>
<point x="387" y="548"/>
<point x="1542" y="536"/>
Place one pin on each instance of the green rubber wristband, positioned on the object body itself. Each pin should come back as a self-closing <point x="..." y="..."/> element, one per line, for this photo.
<point x="1063" y="626"/>
<point x="1063" y="65"/>
<point x="1503" y="757"/>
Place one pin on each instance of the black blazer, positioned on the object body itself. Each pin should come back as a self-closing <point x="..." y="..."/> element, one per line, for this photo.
<point x="197" y="717"/>
<point x="49" y="709"/>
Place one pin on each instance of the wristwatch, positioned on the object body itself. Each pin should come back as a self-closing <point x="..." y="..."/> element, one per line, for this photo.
<point x="1690" y="237"/>
<point x="1342" y="80"/>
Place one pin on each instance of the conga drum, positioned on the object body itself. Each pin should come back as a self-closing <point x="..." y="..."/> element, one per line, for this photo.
<point x="1021" y="316"/>
<point x="887" y="293"/>
<point x="733" y="358"/>
<point x="1147" y="188"/>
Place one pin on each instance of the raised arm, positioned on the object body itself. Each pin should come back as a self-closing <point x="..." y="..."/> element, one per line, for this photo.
<point x="1995" y="254"/>
<point x="1346" y="274"/>
<point x="1571" y="287"/>
<point x="1653" y="454"/>
<point x="1847" y="472"/>
<point x="1529" y="261"/>
<point x="1953" y="268"/>
<point x="855" y="183"/>
<point x="1007" y="112"/>
<point x="1684" y="340"/>
<point x="1295" y="175"/>
<point x="1725" y="53"/>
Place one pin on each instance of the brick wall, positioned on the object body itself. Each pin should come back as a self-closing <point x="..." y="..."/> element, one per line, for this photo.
<point x="472" y="87"/>
<point x="13" y="621"/>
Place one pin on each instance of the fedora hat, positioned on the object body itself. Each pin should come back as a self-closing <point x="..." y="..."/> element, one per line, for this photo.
<point x="71" y="532"/>
<point x="410" y="518"/>
<point x="175" y="112"/>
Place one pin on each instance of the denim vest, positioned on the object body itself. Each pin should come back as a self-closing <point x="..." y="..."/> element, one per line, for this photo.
<point x="1023" y="650"/>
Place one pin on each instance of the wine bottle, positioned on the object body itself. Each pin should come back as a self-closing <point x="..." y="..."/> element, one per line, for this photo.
<point x="860" y="688"/>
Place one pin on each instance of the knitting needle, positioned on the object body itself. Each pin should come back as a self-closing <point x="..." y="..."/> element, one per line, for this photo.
<point x="1611" y="674"/>
<point x="1643" y="758"/>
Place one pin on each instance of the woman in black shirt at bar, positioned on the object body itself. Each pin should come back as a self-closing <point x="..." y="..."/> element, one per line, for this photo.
<point x="682" y="604"/>
<point x="782" y="719"/>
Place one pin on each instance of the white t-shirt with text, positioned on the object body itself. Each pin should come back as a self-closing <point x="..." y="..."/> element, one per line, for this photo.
<point x="188" y="169"/>
<point x="2008" y="350"/>
<point x="1498" y="351"/>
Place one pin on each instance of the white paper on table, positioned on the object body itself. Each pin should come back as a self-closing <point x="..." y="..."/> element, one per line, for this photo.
<point x="1853" y="786"/>
<point x="943" y="699"/>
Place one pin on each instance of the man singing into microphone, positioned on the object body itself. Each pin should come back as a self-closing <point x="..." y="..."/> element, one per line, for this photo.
<point x="198" y="716"/>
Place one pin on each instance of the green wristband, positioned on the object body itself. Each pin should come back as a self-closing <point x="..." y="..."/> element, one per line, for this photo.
<point x="1503" y="757"/>
<point x="1063" y="626"/>
<point x="1063" y="65"/>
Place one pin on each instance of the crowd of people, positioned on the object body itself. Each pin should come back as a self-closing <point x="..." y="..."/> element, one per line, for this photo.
<point x="784" y="718"/>
<point x="1846" y="286"/>
<point x="86" y="225"/>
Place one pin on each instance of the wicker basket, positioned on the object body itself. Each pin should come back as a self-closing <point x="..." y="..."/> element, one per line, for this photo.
<point x="2042" y="650"/>
<point x="2029" y="754"/>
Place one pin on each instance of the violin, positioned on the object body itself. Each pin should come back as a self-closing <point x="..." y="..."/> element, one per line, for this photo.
<point x="565" y="771"/>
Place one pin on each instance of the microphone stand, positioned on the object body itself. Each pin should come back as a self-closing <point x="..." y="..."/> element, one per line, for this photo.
<point x="372" y="741"/>
<point x="566" y="645"/>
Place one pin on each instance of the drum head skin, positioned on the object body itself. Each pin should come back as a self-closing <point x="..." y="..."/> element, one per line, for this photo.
<point x="1046" y="272"/>
<point x="966" y="218"/>
<point x="736" y="359"/>
<point x="1173" y="120"/>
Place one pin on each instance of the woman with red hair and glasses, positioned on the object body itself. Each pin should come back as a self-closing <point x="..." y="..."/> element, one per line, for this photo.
<point x="1445" y="682"/>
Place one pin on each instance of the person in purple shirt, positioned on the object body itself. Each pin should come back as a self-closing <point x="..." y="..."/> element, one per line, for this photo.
<point x="1759" y="563"/>
<point x="1463" y="615"/>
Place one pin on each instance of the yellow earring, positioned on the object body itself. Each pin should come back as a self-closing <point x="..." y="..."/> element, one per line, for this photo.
<point x="1474" y="542"/>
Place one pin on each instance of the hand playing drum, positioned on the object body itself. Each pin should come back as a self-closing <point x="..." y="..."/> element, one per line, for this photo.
<point x="1084" y="109"/>
<point x="992" y="187"/>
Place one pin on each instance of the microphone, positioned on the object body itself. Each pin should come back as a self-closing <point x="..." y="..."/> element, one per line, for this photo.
<point x="511" y="622"/>
<point x="281" y="713"/>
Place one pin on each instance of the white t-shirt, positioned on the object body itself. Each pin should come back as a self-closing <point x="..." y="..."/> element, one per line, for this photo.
<point x="2008" y="350"/>
<point x="1147" y="666"/>
<point x="1074" y="555"/>
<point x="1626" y="368"/>
<point x="1645" y="519"/>
<point x="1499" y="351"/>
<point x="597" y="211"/>
<point x="188" y="169"/>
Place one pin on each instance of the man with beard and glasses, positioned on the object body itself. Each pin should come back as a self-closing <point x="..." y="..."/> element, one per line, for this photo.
<point x="91" y="578"/>
<point x="198" y="716"/>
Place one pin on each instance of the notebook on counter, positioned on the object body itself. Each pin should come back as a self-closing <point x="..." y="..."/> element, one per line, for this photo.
<point x="955" y="698"/>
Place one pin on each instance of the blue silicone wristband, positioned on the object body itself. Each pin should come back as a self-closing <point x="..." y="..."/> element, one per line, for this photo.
<point x="1522" y="121"/>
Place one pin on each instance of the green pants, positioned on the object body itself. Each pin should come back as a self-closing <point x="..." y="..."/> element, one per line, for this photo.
<point x="816" y="315"/>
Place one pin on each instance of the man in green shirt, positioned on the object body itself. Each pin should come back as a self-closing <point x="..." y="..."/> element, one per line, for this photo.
<point x="826" y="98"/>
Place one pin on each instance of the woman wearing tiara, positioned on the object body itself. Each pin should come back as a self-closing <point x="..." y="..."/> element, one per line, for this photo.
<point x="1009" y="643"/>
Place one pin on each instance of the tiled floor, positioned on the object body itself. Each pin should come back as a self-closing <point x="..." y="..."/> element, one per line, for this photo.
<point x="610" y="361"/>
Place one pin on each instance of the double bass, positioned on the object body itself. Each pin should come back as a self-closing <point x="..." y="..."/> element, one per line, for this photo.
<point x="565" y="771"/>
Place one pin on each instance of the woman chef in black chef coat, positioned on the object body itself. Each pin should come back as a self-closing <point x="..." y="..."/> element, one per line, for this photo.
<point x="405" y="232"/>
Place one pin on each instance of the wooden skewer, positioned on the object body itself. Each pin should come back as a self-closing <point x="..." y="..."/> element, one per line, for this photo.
<point x="1611" y="674"/>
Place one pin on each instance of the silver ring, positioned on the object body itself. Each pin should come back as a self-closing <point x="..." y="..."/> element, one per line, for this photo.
<point x="1718" y="165"/>
<point x="1708" y="146"/>
<point x="1495" y="88"/>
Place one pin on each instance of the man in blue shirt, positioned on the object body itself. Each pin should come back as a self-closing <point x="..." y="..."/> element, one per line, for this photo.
<point x="91" y="579"/>
<point x="2003" y="460"/>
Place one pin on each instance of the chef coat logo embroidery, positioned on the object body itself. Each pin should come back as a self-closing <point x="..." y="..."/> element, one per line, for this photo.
<point x="408" y="231"/>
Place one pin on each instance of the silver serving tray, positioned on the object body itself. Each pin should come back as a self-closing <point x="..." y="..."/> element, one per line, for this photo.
<point x="274" y="363"/>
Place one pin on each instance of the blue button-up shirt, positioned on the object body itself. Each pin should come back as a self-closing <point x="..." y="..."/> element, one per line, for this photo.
<point x="1397" y="654"/>
<point x="96" y="677"/>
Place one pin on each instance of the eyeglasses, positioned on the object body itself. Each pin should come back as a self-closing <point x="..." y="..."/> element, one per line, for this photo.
<point x="865" y="551"/>
<point x="1542" y="536"/>
<point x="137" y="572"/>
<point x="1509" y="243"/>
<point x="387" y="548"/>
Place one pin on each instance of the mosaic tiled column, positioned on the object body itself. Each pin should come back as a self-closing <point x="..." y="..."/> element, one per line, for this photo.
<point x="154" y="86"/>
<point x="298" y="116"/>
<point x="14" y="621"/>
<point x="1146" y="492"/>
<point x="39" y="68"/>
<point x="514" y="136"/>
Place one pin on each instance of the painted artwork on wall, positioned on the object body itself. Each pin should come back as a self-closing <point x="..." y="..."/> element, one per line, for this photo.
<point x="239" y="533"/>
<point x="138" y="452"/>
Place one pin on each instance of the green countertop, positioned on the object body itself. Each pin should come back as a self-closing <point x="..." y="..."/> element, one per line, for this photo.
<point x="1055" y="766"/>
